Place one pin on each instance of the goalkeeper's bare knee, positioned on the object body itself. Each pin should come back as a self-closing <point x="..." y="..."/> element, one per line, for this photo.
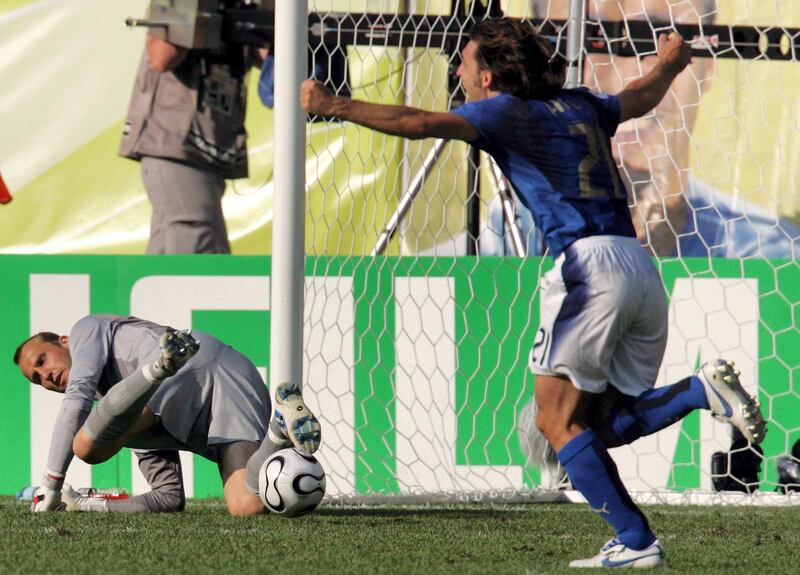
<point x="89" y="451"/>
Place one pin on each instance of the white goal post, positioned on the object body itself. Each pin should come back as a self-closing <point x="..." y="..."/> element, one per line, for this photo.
<point x="419" y="312"/>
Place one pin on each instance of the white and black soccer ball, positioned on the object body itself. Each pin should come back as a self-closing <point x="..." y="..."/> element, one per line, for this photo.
<point x="291" y="482"/>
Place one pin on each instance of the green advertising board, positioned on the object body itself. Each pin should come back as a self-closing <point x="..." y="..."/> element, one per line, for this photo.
<point x="481" y="312"/>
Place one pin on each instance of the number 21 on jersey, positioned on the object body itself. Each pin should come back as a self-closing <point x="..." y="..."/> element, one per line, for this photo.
<point x="598" y="151"/>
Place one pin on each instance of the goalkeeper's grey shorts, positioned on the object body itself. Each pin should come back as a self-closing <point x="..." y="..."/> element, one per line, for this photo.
<point x="603" y="317"/>
<point x="218" y="397"/>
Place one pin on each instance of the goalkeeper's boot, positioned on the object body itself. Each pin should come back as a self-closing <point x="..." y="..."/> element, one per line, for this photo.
<point x="293" y="416"/>
<point x="729" y="402"/>
<point x="77" y="502"/>
<point x="177" y="347"/>
<point x="616" y="554"/>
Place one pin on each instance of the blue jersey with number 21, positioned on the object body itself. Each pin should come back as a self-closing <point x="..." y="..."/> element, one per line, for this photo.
<point x="557" y="155"/>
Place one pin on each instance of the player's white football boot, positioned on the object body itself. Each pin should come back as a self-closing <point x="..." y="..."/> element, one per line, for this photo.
<point x="615" y="554"/>
<point x="729" y="401"/>
<point x="294" y="417"/>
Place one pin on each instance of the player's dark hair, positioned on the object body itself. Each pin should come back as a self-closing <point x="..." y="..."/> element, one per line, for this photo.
<point x="45" y="336"/>
<point x="522" y="62"/>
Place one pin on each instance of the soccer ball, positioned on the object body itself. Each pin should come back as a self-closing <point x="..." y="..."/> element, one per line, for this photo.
<point x="291" y="483"/>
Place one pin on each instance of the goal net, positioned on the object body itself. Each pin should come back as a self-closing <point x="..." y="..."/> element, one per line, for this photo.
<point x="421" y="298"/>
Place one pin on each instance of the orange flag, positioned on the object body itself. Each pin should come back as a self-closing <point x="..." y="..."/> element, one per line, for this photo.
<point x="5" y="196"/>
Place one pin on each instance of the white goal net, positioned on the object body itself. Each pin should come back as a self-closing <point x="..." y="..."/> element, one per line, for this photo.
<point x="421" y="298"/>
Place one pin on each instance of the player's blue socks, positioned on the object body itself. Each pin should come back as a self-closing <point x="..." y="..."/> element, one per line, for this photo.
<point x="657" y="408"/>
<point x="595" y="475"/>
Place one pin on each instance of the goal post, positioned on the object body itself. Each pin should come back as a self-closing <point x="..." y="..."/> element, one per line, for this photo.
<point x="415" y="354"/>
<point x="288" y="241"/>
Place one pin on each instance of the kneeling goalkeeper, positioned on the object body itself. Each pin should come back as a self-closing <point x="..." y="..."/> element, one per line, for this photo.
<point x="160" y="391"/>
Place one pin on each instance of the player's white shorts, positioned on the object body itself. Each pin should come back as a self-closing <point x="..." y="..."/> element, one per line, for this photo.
<point x="603" y="317"/>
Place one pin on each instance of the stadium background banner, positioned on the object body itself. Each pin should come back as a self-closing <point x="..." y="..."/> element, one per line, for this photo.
<point x="68" y="78"/>
<point x="413" y="400"/>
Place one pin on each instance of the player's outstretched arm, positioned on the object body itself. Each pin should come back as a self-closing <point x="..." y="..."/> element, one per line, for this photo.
<point x="644" y="94"/>
<point x="404" y="121"/>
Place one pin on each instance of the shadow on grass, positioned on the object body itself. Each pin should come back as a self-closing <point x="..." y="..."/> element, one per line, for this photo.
<point x="441" y="511"/>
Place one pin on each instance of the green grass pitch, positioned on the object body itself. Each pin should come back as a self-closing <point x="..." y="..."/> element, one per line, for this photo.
<point x="464" y="539"/>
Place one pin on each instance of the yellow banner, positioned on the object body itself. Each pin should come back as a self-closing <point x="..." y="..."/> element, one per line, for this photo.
<point x="727" y="132"/>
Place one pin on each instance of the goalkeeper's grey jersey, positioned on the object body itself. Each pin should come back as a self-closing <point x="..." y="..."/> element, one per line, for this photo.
<point x="217" y="397"/>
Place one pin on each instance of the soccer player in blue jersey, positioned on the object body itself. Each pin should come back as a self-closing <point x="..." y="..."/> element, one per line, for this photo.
<point x="604" y="317"/>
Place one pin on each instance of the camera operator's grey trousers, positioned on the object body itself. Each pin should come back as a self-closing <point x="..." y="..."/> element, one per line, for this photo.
<point x="187" y="208"/>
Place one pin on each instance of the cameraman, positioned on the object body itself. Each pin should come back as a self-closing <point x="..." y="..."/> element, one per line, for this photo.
<point x="185" y="126"/>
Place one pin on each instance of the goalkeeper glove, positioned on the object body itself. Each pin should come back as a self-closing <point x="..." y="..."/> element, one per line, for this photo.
<point x="47" y="500"/>
<point x="47" y="496"/>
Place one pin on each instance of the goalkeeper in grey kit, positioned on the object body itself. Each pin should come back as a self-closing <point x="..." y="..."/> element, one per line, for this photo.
<point x="159" y="391"/>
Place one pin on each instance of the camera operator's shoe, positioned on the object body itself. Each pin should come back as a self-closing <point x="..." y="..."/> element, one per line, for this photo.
<point x="293" y="416"/>
<point x="615" y="554"/>
<point x="177" y="347"/>
<point x="729" y="402"/>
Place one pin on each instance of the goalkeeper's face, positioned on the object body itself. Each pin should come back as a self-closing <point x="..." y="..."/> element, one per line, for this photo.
<point x="46" y="363"/>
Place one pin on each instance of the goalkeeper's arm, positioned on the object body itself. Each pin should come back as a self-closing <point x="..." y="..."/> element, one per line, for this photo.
<point x="70" y="417"/>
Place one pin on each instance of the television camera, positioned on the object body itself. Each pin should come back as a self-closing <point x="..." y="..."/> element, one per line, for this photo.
<point x="210" y="24"/>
